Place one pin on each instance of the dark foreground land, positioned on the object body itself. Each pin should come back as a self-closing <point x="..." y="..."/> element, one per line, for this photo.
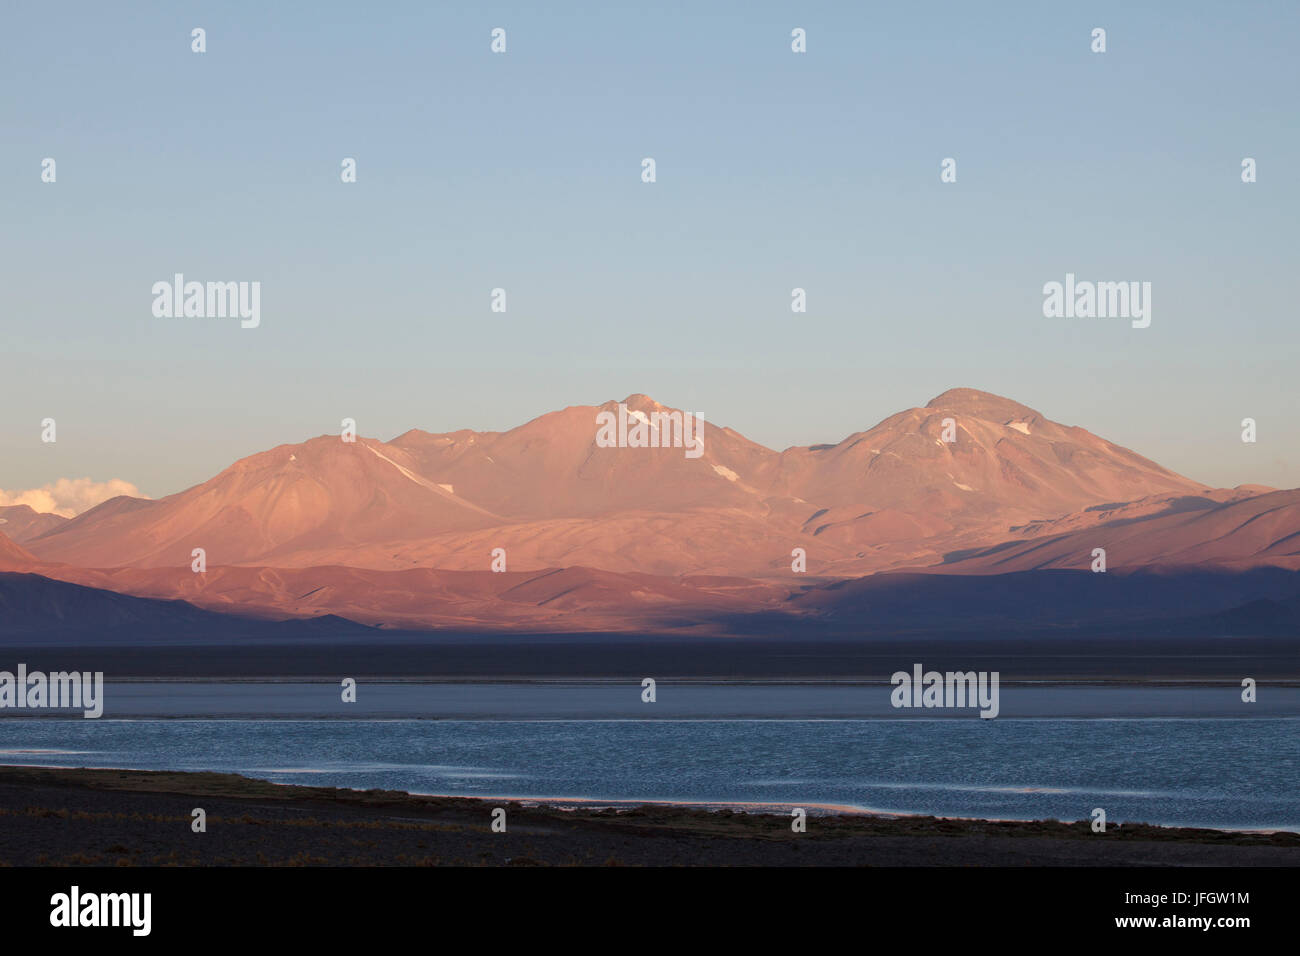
<point x="62" y="817"/>
<point x="1103" y="655"/>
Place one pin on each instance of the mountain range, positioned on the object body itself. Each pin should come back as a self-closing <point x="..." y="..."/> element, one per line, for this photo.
<point x="402" y="533"/>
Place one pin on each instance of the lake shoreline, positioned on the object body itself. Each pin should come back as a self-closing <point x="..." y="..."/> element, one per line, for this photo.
<point x="77" y="816"/>
<point x="592" y="700"/>
<point x="448" y="657"/>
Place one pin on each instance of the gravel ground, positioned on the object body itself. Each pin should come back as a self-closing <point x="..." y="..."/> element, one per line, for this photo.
<point x="58" y="817"/>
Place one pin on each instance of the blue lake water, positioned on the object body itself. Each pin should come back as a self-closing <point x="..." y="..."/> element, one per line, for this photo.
<point x="1192" y="756"/>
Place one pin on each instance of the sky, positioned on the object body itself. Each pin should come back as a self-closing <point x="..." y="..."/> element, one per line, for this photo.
<point x="522" y="170"/>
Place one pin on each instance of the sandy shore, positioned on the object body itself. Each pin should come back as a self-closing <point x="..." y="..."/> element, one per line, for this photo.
<point x="69" y="817"/>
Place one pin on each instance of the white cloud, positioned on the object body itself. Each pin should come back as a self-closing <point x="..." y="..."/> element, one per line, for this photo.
<point x="69" y="497"/>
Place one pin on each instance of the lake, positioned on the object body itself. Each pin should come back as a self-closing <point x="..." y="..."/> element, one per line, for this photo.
<point x="1175" y="755"/>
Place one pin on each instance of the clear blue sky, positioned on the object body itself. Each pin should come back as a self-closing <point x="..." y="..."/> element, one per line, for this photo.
<point x="522" y="171"/>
